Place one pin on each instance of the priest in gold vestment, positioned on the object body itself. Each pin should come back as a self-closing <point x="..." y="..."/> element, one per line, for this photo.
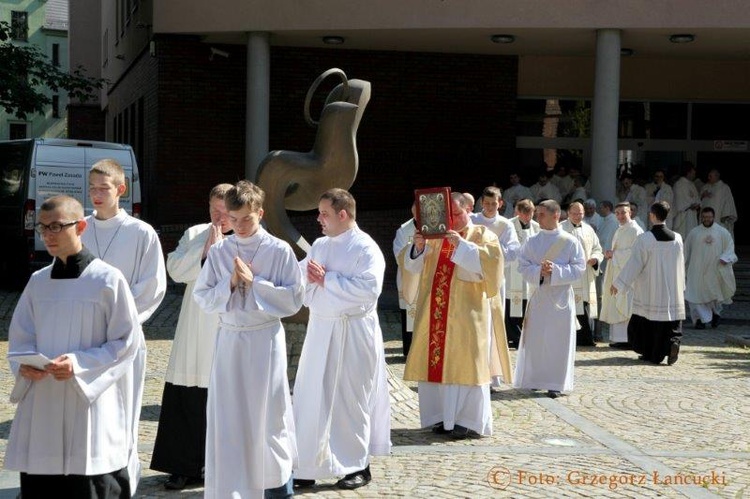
<point x="453" y="279"/>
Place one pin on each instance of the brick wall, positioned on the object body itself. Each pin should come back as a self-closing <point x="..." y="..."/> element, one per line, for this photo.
<point x="433" y="120"/>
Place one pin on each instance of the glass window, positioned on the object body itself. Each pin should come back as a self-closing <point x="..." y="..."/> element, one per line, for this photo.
<point x="13" y="160"/>
<point x="720" y="122"/>
<point x="56" y="54"/>
<point x="652" y="120"/>
<point x="19" y="25"/>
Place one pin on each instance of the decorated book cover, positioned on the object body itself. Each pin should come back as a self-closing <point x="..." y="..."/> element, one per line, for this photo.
<point x="433" y="211"/>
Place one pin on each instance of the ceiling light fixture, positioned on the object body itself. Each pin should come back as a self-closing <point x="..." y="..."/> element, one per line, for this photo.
<point x="682" y="38"/>
<point x="626" y="52"/>
<point x="333" y="40"/>
<point x="503" y="38"/>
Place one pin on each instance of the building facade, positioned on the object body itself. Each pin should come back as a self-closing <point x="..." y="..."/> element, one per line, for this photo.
<point x="461" y="92"/>
<point x="43" y="24"/>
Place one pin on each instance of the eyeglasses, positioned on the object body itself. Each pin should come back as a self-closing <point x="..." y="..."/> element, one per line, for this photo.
<point x="54" y="227"/>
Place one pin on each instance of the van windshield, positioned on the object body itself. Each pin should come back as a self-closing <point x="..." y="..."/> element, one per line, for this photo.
<point x="14" y="159"/>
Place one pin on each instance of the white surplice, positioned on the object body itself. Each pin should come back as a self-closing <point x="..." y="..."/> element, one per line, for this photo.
<point x="341" y="400"/>
<point x="514" y="194"/>
<point x="517" y="287"/>
<point x="506" y="234"/>
<point x="585" y="288"/>
<point x="546" y="351"/>
<point x="81" y="425"/>
<point x="195" y="335"/>
<point x="719" y="197"/>
<point x="404" y="237"/>
<point x="685" y="196"/>
<point x="250" y="439"/>
<point x="617" y="309"/>
<point x="710" y="285"/>
<point x="658" y="288"/>
<point x="132" y="246"/>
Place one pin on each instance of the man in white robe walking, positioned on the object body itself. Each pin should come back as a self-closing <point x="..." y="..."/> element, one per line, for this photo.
<point x="180" y="445"/>
<point x="687" y="202"/>
<point x="717" y="194"/>
<point x="491" y="218"/>
<point x="341" y="400"/>
<point x="709" y="256"/>
<point x="453" y="277"/>
<point x="70" y="434"/>
<point x="517" y="288"/>
<point x="251" y="280"/>
<point x="617" y="309"/>
<point x="132" y="246"/>
<point x="656" y="274"/>
<point x="551" y="262"/>
<point x="587" y="303"/>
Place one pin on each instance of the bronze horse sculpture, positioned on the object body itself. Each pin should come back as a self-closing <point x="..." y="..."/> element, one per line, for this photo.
<point x="295" y="180"/>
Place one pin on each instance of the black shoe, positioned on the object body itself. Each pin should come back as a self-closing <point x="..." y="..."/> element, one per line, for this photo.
<point x="699" y="324"/>
<point x="179" y="482"/>
<point x="461" y="432"/>
<point x="715" y="320"/>
<point x="439" y="429"/>
<point x="553" y="394"/>
<point x="621" y="345"/>
<point x="301" y="483"/>
<point x="355" y="480"/>
<point x="674" y="352"/>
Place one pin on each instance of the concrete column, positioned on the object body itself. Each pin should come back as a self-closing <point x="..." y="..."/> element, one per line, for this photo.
<point x="258" y="96"/>
<point x="605" y="110"/>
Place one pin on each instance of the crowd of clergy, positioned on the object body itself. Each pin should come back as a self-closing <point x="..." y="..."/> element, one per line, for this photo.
<point x="538" y="269"/>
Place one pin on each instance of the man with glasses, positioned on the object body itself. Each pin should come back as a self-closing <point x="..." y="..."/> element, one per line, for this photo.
<point x="69" y="433"/>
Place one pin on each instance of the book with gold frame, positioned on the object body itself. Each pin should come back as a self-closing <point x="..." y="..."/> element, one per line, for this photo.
<point x="433" y="211"/>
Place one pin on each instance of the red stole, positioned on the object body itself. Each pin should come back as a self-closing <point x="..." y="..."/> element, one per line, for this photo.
<point x="439" y="302"/>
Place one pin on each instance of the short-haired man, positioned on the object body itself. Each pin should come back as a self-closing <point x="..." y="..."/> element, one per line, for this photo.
<point x="502" y="227"/>
<point x="251" y="280"/>
<point x="71" y="434"/>
<point x="587" y="304"/>
<point x="656" y="273"/>
<point x="709" y="255"/>
<point x="551" y="262"/>
<point x="341" y="401"/>
<point x="452" y="278"/>
<point x="132" y="246"/>
<point x="517" y="289"/>
<point x="718" y="195"/>
<point x="617" y="309"/>
<point x="180" y="445"/>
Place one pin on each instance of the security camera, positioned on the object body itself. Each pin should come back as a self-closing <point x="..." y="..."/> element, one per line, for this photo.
<point x="219" y="52"/>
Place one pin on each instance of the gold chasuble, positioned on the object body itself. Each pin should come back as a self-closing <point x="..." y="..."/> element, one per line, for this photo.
<point x="453" y="315"/>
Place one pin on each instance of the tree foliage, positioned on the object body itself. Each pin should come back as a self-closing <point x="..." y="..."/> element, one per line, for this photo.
<point x="25" y="73"/>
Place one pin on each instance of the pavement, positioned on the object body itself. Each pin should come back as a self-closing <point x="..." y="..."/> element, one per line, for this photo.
<point x="628" y="429"/>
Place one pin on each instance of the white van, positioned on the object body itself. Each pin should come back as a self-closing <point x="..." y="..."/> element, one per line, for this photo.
<point x="33" y="170"/>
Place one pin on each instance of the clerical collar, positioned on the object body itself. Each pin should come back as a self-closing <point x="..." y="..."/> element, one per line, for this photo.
<point x="576" y="226"/>
<point x="523" y="225"/>
<point x="74" y="266"/>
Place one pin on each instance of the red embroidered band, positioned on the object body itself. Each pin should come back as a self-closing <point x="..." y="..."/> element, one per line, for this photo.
<point x="439" y="301"/>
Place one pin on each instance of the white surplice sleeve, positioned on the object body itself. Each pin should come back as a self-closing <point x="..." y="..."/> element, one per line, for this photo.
<point x="363" y="285"/>
<point x="213" y="291"/>
<point x="96" y="369"/>
<point x="150" y="284"/>
<point x="184" y="263"/>
<point x="280" y="294"/>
